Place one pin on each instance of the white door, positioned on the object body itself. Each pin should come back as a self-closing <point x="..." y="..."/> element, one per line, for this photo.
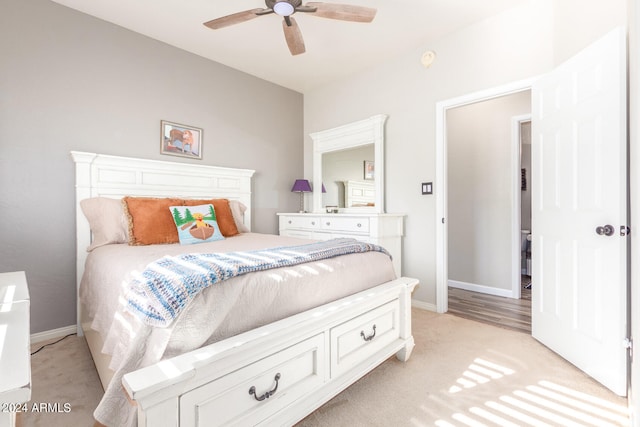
<point x="579" y="293"/>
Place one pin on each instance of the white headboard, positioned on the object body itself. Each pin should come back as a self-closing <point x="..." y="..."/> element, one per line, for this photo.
<point x="116" y="177"/>
<point x="359" y="193"/>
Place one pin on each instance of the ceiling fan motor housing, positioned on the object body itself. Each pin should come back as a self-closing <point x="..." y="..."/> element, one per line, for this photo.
<point x="283" y="7"/>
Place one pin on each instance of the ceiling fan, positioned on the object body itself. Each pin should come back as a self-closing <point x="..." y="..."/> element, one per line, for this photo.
<point x="286" y="8"/>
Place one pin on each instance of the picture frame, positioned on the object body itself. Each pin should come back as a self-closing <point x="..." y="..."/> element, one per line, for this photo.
<point x="181" y="140"/>
<point x="369" y="169"/>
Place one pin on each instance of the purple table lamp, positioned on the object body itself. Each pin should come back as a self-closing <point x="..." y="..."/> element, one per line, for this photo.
<point x="301" y="186"/>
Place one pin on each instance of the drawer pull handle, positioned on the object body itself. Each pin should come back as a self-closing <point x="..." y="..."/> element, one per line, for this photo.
<point x="268" y="394"/>
<point x="359" y="225"/>
<point x="313" y="223"/>
<point x="289" y="221"/>
<point x="328" y="223"/>
<point x="370" y="337"/>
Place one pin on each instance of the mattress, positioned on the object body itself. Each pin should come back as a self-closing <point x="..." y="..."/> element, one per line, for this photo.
<point x="226" y="309"/>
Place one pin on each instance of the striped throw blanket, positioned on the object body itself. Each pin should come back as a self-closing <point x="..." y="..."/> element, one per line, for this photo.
<point x="160" y="292"/>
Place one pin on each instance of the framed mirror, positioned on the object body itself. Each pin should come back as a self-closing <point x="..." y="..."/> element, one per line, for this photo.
<point x="349" y="162"/>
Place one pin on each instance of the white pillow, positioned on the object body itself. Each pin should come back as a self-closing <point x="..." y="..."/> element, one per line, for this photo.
<point x="237" y="210"/>
<point x="107" y="221"/>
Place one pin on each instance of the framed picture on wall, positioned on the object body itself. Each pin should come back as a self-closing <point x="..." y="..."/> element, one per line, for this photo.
<point x="369" y="169"/>
<point x="180" y="140"/>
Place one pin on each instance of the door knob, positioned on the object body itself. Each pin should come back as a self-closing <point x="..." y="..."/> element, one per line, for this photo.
<point x="606" y="230"/>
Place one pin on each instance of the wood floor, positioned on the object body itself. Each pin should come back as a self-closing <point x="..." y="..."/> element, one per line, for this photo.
<point x="499" y="311"/>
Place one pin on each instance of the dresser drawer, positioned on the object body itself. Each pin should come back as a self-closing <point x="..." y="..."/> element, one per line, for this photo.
<point x="359" y="338"/>
<point x="300" y="222"/>
<point x="234" y="398"/>
<point x="349" y="224"/>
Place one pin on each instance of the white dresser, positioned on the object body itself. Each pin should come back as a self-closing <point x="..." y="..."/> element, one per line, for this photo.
<point x="385" y="230"/>
<point x="15" y="359"/>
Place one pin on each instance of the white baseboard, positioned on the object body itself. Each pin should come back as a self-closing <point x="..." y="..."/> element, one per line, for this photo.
<point x="507" y="293"/>
<point x="423" y="305"/>
<point x="53" y="333"/>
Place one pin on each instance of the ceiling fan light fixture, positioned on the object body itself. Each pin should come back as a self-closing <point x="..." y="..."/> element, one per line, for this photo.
<point x="283" y="8"/>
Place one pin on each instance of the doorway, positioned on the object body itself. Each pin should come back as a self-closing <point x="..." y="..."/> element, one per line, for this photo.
<point x="484" y="185"/>
<point x="442" y="202"/>
<point x="489" y="205"/>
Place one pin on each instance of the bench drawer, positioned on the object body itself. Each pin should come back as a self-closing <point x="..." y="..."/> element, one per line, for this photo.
<point x="244" y="396"/>
<point x="361" y="337"/>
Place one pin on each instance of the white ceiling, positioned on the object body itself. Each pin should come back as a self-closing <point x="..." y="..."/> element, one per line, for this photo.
<point x="335" y="49"/>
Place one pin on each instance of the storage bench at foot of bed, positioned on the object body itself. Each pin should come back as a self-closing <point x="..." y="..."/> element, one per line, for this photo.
<point x="281" y="372"/>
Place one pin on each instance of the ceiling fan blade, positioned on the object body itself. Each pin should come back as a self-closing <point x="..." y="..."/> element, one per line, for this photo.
<point x="293" y="36"/>
<point x="235" y="18"/>
<point x="343" y="12"/>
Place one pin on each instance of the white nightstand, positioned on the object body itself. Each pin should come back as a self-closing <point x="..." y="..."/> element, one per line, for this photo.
<point x="15" y="353"/>
<point x="385" y="230"/>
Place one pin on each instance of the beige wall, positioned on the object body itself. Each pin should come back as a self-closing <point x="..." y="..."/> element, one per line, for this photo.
<point x="480" y="182"/>
<point x="72" y="82"/>
<point x="577" y="23"/>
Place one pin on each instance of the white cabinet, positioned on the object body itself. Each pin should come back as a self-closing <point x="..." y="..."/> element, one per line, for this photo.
<point x="385" y="230"/>
<point x="15" y="358"/>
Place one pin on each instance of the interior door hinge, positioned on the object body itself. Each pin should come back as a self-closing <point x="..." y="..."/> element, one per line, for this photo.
<point x="628" y="344"/>
<point x="625" y="230"/>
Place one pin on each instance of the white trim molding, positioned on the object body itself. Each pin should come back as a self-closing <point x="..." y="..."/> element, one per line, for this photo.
<point x="421" y="305"/>
<point x="516" y="202"/>
<point x="474" y="287"/>
<point x="53" y="334"/>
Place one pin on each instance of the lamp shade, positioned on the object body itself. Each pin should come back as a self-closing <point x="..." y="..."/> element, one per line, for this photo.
<point x="301" y="186"/>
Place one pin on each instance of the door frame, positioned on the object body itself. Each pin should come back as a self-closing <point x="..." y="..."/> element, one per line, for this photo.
<point x="634" y="203"/>
<point x="516" y="203"/>
<point x="442" y="233"/>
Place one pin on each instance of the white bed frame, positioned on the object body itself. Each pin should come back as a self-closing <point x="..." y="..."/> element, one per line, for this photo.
<point x="273" y="375"/>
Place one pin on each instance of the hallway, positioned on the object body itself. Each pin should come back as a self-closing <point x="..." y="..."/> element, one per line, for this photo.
<point x="508" y="313"/>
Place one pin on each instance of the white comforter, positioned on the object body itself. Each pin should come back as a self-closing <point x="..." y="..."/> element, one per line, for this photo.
<point x="223" y="310"/>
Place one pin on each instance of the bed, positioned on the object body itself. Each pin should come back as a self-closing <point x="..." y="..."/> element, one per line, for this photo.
<point x="238" y="353"/>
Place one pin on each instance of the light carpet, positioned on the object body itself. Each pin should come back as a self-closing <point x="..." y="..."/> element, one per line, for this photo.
<point x="461" y="373"/>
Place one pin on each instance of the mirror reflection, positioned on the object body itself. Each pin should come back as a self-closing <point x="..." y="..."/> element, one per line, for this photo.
<point x="339" y="150"/>
<point x="348" y="176"/>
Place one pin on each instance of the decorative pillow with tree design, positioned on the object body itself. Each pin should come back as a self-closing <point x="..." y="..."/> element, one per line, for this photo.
<point x="196" y="224"/>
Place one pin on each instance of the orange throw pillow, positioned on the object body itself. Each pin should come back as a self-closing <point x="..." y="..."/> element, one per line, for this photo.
<point x="223" y="214"/>
<point x="150" y="220"/>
